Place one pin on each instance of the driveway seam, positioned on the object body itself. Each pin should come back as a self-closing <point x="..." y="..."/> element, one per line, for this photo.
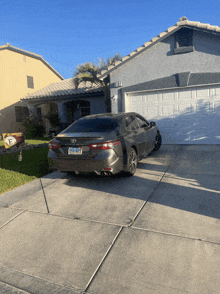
<point x="102" y="260"/>
<point x="7" y="287"/>
<point x="37" y="278"/>
<point x="12" y="219"/>
<point x="174" y="235"/>
<point x="171" y="162"/>
<point x="131" y="223"/>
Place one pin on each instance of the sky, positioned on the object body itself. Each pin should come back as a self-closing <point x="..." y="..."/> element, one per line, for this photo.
<point x="67" y="33"/>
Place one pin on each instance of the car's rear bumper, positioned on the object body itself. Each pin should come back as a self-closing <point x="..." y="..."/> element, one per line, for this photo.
<point x="112" y="162"/>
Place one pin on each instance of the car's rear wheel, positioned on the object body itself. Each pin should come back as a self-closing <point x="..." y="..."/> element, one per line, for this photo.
<point x="132" y="162"/>
<point x="158" y="142"/>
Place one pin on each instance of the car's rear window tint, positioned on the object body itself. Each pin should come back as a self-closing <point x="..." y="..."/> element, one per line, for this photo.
<point x="93" y="125"/>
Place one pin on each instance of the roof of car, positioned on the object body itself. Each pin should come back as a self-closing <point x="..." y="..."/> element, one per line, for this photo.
<point x="120" y="114"/>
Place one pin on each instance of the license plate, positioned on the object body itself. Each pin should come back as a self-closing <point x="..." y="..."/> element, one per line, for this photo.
<point x="73" y="150"/>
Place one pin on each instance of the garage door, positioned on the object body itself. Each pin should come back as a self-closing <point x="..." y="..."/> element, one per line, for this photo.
<point x="184" y="116"/>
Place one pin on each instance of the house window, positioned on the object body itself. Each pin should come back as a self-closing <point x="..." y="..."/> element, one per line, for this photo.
<point x="21" y="113"/>
<point x="184" y="41"/>
<point x="184" y="38"/>
<point x="30" y="82"/>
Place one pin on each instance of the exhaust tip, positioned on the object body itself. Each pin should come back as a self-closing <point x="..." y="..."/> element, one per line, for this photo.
<point x="105" y="173"/>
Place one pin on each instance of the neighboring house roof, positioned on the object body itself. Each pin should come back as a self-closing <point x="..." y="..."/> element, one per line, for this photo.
<point x="62" y="88"/>
<point x="15" y="49"/>
<point x="183" y="21"/>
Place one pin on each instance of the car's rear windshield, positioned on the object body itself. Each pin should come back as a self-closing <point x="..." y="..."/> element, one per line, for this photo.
<point x="93" y="125"/>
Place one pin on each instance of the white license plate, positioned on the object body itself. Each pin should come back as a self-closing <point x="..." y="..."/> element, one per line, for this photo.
<point x="73" y="150"/>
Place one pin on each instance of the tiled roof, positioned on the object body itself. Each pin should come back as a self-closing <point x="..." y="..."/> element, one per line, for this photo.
<point x="62" y="88"/>
<point x="12" y="48"/>
<point x="183" y="21"/>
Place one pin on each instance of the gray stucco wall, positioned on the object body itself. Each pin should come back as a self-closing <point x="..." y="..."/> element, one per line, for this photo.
<point x="159" y="61"/>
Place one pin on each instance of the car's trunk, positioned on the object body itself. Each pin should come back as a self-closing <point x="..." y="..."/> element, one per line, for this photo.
<point x="82" y="141"/>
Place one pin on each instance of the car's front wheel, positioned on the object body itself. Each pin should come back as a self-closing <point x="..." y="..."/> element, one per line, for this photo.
<point x="132" y="162"/>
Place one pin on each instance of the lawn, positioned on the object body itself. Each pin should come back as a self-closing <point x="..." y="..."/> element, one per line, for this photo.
<point x="34" y="164"/>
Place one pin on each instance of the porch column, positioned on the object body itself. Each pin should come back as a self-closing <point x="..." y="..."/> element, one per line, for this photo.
<point x="62" y="112"/>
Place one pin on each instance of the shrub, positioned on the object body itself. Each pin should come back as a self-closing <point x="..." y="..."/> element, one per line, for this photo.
<point x="33" y="128"/>
<point x="54" y="119"/>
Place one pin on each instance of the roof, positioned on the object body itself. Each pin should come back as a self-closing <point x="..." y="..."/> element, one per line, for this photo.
<point x="183" y="21"/>
<point x="62" y="88"/>
<point x="18" y="50"/>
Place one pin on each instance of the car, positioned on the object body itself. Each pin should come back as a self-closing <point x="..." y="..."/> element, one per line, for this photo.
<point x="104" y="143"/>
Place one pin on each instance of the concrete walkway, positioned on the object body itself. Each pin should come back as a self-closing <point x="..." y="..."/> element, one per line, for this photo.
<point x="155" y="232"/>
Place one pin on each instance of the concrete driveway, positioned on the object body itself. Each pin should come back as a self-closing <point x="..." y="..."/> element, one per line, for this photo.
<point x="155" y="232"/>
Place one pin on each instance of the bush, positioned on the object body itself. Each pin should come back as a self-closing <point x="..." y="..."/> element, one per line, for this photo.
<point x="54" y="119"/>
<point x="33" y="128"/>
<point x="34" y="131"/>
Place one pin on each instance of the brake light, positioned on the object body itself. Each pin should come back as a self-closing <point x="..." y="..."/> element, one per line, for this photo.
<point x="104" y="145"/>
<point x="53" y="145"/>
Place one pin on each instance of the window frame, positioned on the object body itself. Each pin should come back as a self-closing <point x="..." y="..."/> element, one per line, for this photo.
<point x="30" y="82"/>
<point x="144" y="120"/>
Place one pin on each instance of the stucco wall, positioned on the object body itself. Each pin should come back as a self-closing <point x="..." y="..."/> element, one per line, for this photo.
<point x="159" y="61"/>
<point x="14" y="69"/>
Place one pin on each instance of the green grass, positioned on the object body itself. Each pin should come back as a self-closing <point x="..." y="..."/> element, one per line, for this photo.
<point x="32" y="141"/>
<point x="34" y="164"/>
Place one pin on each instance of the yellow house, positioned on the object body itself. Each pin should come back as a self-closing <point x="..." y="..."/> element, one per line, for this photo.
<point x="21" y="73"/>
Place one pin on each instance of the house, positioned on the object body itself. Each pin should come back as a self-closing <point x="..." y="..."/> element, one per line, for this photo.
<point x="21" y="73"/>
<point x="174" y="80"/>
<point x="68" y="102"/>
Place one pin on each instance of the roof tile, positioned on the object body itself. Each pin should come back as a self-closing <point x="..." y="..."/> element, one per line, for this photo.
<point x="124" y="58"/>
<point x="140" y="48"/>
<point x="162" y="34"/>
<point x="204" y="25"/>
<point x="147" y="43"/>
<point x="170" y="29"/>
<point x="132" y="53"/>
<point x="155" y="39"/>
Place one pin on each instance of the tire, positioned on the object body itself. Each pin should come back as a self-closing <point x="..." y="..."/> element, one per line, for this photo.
<point x="132" y="162"/>
<point x="158" y="142"/>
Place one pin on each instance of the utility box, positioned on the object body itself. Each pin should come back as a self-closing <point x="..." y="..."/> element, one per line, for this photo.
<point x="13" y="139"/>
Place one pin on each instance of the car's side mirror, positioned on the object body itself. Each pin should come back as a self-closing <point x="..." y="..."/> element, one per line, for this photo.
<point x="152" y="124"/>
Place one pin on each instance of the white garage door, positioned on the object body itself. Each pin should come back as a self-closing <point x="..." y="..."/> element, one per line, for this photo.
<point x="184" y="116"/>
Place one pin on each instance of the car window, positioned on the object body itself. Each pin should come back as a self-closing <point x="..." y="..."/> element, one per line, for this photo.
<point x="142" y="123"/>
<point x="131" y="123"/>
<point x="93" y="125"/>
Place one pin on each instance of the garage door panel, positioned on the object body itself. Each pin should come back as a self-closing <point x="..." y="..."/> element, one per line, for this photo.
<point x="151" y="98"/>
<point x="181" y="94"/>
<point x="185" y="109"/>
<point x="168" y="110"/>
<point x="170" y="96"/>
<point x="201" y="92"/>
<point x="190" y="116"/>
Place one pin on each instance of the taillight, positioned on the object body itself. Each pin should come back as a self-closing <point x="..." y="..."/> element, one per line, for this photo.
<point x="53" y="145"/>
<point x="105" y="145"/>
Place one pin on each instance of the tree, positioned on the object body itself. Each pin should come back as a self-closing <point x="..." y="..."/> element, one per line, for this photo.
<point x="88" y="72"/>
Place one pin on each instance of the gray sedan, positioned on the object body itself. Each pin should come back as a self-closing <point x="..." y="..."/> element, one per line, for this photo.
<point x="104" y="143"/>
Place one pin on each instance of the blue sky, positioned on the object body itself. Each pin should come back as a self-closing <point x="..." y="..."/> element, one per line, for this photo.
<point x="68" y="33"/>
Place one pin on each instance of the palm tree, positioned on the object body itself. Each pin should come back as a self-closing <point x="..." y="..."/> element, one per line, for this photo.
<point x="88" y="72"/>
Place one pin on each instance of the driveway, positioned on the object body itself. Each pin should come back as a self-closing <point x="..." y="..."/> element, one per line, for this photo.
<point x="155" y="232"/>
